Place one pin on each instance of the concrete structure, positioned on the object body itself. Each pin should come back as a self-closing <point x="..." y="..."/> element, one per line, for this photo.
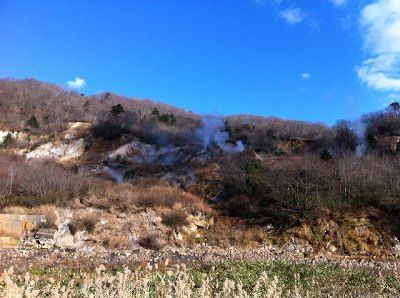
<point x="15" y="225"/>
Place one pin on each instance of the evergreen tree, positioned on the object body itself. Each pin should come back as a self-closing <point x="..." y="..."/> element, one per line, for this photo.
<point x="117" y="110"/>
<point x="32" y="122"/>
<point x="326" y="155"/>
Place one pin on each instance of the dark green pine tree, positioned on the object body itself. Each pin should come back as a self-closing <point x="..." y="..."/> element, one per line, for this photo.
<point x="326" y="155"/>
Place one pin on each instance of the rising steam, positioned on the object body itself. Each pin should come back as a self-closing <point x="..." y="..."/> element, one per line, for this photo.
<point x="212" y="132"/>
<point x="359" y="130"/>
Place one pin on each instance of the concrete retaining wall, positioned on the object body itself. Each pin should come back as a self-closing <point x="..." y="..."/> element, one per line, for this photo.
<point x="18" y="225"/>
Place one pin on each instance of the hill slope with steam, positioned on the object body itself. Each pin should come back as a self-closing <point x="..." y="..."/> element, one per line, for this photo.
<point x="163" y="177"/>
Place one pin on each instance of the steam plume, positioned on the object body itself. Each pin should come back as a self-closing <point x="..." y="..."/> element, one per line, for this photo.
<point x="212" y="132"/>
<point x="359" y="130"/>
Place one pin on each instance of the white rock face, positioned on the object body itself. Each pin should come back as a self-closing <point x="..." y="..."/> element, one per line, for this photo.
<point x="142" y="153"/>
<point x="61" y="151"/>
<point x="135" y="152"/>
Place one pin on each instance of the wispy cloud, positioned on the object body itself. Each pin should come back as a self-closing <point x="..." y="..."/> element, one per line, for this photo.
<point x="293" y="16"/>
<point x="77" y="83"/>
<point x="380" y="24"/>
<point x="338" y="3"/>
<point x="305" y="76"/>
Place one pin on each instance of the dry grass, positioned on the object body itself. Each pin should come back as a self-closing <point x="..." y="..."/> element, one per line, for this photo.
<point x="151" y="241"/>
<point x="228" y="231"/>
<point x="84" y="221"/>
<point x="175" y="217"/>
<point x="222" y="281"/>
<point x="116" y="241"/>
<point x="149" y="193"/>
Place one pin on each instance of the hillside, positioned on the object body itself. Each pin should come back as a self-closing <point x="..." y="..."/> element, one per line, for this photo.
<point x="113" y="174"/>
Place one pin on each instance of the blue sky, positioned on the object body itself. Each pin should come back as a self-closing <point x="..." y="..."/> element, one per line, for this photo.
<point x="319" y="60"/>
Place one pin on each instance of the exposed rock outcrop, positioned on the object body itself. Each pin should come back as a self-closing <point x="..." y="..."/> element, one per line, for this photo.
<point x="77" y="130"/>
<point x="62" y="151"/>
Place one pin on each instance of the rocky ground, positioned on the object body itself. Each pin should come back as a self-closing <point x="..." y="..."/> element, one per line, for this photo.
<point x="24" y="258"/>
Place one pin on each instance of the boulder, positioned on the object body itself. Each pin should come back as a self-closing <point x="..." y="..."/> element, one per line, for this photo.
<point x="63" y="237"/>
<point x="396" y="247"/>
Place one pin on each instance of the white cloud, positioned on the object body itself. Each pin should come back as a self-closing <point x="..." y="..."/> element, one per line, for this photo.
<point x="339" y="3"/>
<point x="380" y="24"/>
<point x="77" y="83"/>
<point x="305" y="76"/>
<point x="293" y="15"/>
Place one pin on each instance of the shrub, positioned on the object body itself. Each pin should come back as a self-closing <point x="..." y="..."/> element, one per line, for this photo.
<point x="344" y="139"/>
<point x="110" y="127"/>
<point x="151" y="241"/>
<point x="302" y="188"/>
<point x="155" y="132"/>
<point x="84" y="221"/>
<point x="33" y="183"/>
<point x="8" y="141"/>
<point x="161" y="194"/>
<point x="174" y="217"/>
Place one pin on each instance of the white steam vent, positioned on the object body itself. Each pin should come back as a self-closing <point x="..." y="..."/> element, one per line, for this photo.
<point x="212" y="132"/>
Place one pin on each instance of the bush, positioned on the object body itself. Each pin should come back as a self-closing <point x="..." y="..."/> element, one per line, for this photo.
<point x="344" y="139"/>
<point x="85" y="221"/>
<point x="33" y="183"/>
<point x="174" y="217"/>
<point x="303" y="188"/>
<point x="155" y="132"/>
<point x="110" y="127"/>
<point x="282" y="129"/>
<point x="8" y="141"/>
